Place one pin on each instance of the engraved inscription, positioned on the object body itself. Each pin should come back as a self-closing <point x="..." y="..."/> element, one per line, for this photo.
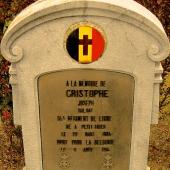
<point x="86" y="119"/>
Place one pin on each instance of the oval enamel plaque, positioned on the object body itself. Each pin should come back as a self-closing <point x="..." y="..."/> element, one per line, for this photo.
<point x="85" y="44"/>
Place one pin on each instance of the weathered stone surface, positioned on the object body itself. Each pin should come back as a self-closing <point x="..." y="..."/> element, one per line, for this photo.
<point x="135" y="44"/>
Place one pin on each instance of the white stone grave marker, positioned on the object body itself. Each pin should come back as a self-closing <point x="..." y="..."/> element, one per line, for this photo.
<point x="85" y="76"/>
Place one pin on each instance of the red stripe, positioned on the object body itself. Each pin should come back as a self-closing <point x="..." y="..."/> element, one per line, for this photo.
<point x="97" y="44"/>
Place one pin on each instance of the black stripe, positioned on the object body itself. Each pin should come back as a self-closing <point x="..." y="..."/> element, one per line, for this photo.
<point x="73" y="44"/>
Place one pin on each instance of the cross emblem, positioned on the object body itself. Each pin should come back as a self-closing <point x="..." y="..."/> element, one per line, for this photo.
<point x="85" y="42"/>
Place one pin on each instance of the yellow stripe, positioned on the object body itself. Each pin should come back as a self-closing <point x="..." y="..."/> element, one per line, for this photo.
<point x="85" y="58"/>
<point x="85" y="31"/>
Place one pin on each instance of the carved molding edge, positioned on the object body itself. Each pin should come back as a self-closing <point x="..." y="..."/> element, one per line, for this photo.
<point x="157" y="81"/>
<point x="14" y="54"/>
<point x="156" y="54"/>
<point x="24" y="23"/>
<point x="11" y="53"/>
<point x="15" y="93"/>
<point x="13" y="75"/>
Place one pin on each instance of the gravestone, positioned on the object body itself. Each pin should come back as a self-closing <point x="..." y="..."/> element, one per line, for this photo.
<point x="85" y="77"/>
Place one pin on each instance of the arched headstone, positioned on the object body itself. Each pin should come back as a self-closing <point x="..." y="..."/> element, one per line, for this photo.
<point x="85" y="76"/>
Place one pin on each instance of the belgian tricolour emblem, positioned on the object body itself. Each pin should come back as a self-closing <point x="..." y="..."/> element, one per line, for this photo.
<point x="85" y="44"/>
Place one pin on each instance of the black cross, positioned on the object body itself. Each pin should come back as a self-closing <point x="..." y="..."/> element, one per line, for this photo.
<point x="85" y="42"/>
